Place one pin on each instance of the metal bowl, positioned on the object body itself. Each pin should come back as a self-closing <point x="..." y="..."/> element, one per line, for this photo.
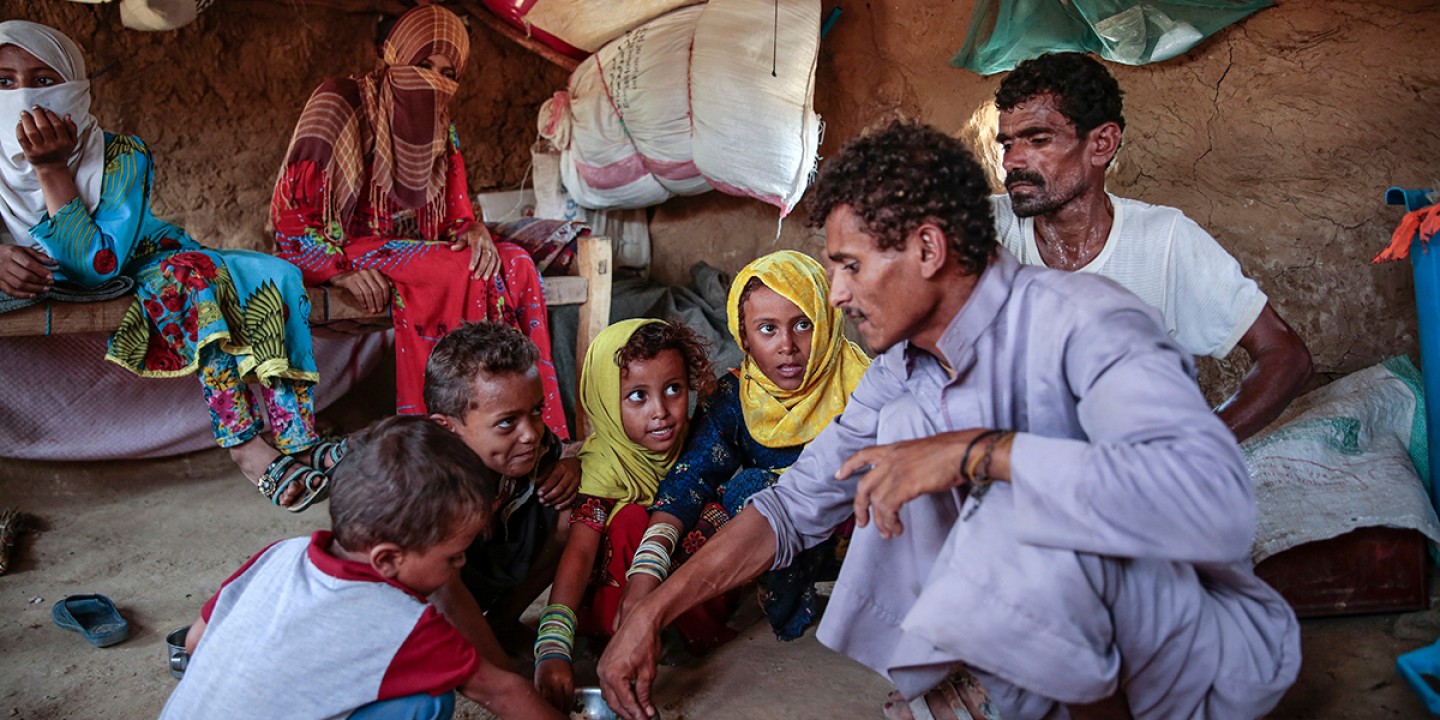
<point x="590" y="706"/>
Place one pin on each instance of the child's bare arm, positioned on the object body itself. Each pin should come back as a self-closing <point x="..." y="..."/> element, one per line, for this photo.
<point x="554" y="677"/>
<point x="192" y="638"/>
<point x="639" y="585"/>
<point x="506" y="694"/>
<point x="576" y="564"/>
<point x="459" y="607"/>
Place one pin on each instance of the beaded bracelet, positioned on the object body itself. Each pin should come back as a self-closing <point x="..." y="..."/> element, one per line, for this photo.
<point x="966" y="472"/>
<point x="980" y="477"/>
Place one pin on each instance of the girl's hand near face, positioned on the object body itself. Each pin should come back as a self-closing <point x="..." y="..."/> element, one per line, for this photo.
<point x="47" y="139"/>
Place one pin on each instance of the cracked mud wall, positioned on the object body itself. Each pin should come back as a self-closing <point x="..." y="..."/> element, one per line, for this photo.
<point x="1279" y="135"/>
<point x="218" y="99"/>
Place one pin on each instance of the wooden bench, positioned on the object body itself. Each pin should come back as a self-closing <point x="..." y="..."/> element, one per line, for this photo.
<point x="335" y="308"/>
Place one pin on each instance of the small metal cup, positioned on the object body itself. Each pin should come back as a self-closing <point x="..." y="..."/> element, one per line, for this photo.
<point x="589" y="705"/>
<point x="175" y="644"/>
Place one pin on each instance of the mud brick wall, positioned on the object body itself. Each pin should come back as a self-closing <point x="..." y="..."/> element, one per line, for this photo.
<point x="1279" y="135"/>
<point x="218" y="99"/>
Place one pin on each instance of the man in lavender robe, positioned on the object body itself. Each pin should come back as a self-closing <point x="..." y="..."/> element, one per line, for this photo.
<point x="1042" y="496"/>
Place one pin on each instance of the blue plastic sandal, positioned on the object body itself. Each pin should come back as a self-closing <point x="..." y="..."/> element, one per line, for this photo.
<point x="93" y="616"/>
<point x="1421" y="669"/>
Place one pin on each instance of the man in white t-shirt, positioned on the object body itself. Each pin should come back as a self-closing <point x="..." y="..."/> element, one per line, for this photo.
<point x="1060" y="127"/>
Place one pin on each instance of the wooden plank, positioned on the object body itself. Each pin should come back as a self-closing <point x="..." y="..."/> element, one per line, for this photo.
<point x="567" y="289"/>
<point x="590" y="290"/>
<point x="329" y="304"/>
<point x="61" y="318"/>
<point x="592" y="261"/>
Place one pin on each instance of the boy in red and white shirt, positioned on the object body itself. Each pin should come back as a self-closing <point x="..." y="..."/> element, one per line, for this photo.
<point x="337" y="625"/>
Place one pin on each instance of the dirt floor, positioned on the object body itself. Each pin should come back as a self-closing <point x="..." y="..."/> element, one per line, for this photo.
<point x="159" y="536"/>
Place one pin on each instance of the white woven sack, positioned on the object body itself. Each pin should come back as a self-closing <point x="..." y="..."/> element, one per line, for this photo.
<point x="1342" y="458"/>
<point x="589" y="24"/>
<point x="160" y="15"/>
<point x="623" y="126"/>
<point x="752" y="79"/>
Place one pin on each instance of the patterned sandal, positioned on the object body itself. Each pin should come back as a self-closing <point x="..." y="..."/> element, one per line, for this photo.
<point x="286" y="470"/>
<point x="327" y="454"/>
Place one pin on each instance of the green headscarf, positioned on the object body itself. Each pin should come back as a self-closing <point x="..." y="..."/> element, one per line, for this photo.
<point x="611" y="464"/>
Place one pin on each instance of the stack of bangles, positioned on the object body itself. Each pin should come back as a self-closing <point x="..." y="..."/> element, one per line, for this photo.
<point x="556" y="638"/>
<point x="652" y="557"/>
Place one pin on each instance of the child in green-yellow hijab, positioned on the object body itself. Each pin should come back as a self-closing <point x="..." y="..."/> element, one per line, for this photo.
<point x="635" y="389"/>
<point x="796" y="377"/>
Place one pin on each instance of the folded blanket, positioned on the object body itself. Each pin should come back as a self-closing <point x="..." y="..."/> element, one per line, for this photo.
<point x="69" y="292"/>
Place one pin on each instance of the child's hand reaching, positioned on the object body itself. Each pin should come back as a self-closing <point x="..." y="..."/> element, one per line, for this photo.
<point x="636" y="588"/>
<point x="558" y="487"/>
<point x="555" y="680"/>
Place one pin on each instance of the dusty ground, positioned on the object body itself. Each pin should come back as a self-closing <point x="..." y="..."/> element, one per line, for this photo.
<point x="159" y="536"/>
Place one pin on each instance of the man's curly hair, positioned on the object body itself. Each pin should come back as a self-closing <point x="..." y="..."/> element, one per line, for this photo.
<point x="1085" y="91"/>
<point x="903" y="176"/>
<point x="651" y="339"/>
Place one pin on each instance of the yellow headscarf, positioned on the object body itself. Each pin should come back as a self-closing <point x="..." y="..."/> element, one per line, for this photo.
<point x="784" y="418"/>
<point x="611" y="464"/>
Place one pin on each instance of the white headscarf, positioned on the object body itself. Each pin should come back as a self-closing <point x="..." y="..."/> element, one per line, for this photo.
<point x="22" y="203"/>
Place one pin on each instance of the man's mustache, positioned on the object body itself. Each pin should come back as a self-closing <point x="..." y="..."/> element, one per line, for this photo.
<point x="1024" y="176"/>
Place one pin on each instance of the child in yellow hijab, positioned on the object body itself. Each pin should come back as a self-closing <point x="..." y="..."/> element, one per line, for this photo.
<point x="798" y="373"/>
<point x="635" y="388"/>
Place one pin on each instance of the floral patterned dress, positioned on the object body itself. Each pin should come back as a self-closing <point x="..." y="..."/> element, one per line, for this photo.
<point x="236" y="316"/>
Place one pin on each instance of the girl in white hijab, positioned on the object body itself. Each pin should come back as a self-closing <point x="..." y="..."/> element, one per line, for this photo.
<point x="76" y="206"/>
<point x="22" y="201"/>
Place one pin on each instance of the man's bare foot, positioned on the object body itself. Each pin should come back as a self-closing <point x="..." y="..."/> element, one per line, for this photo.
<point x="958" y="697"/>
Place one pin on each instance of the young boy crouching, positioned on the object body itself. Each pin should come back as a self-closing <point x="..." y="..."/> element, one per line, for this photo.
<point x="337" y="624"/>
<point x="482" y="382"/>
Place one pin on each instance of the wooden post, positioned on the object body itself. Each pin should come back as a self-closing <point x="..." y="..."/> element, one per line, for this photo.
<point x="592" y="262"/>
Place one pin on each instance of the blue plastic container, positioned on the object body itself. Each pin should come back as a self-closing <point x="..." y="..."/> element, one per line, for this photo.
<point x="1421" y="670"/>
<point x="1425" y="260"/>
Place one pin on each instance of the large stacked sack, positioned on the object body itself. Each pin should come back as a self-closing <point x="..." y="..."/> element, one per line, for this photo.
<point x="580" y="27"/>
<point x="718" y="96"/>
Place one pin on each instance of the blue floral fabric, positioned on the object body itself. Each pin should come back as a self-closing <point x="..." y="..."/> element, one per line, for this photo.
<point x="721" y="467"/>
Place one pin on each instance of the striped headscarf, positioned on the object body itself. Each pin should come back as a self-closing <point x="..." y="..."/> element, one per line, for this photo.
<point x="777" y="417"/>
<point x="400" y="118"/>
